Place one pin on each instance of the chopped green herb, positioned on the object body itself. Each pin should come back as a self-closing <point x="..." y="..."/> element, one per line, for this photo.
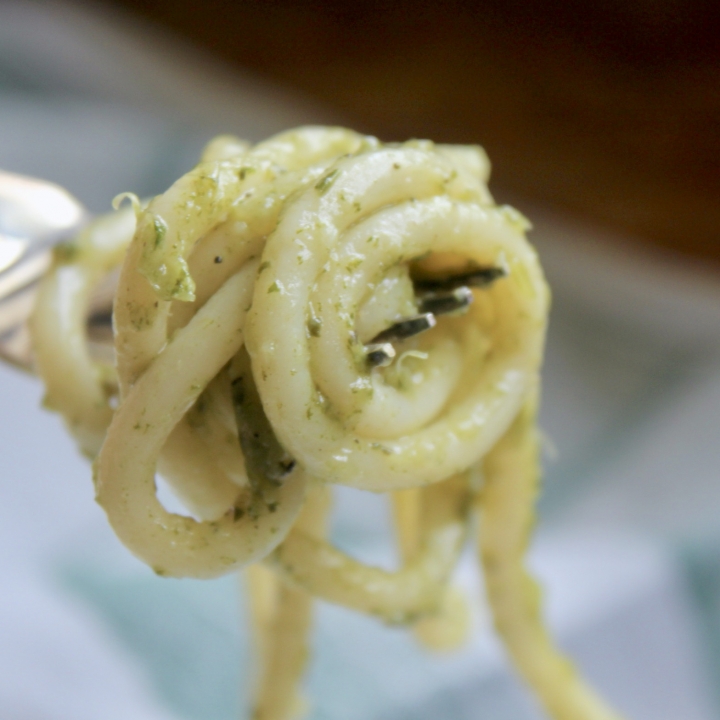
<point x="325" y="183"/>
<point x="354" y="263"/>
<point x="379" y="446"/>
<point x="161" y="229"/>
<point x="314" y="326"/>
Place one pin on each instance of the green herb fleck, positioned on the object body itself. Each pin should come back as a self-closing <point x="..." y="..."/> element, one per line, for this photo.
<point x="314" y="326"/>
<point x="66" y="252"/>
<point x="183" y="286"/>
<point x="379" y="446"/>
<point x="325" y="183"/>
<point x="161" y="229"/>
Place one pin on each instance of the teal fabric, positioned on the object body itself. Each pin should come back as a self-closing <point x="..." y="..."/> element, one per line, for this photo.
<point x="701" y="563"/>
<point x="194" y="645"/>
<point x="184" y="632"/>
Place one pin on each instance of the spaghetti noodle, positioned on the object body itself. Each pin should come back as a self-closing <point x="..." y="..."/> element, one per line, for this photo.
<point x="318" y="309"/>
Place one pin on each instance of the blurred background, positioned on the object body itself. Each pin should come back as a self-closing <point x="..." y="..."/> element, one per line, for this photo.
<point x="608" y="109"/>
<point x="602" y="122"/>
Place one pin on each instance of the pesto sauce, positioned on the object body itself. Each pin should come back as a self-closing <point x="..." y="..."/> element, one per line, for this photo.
<point x="325" y="183"/>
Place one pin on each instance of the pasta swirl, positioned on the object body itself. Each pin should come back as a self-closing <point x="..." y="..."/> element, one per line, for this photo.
<point x="326" y="253"/>
<point x="318" y="309"/>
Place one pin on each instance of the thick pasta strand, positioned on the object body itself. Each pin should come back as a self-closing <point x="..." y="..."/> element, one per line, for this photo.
<point x="173" y="544"/>
<point x="449" y="626"/>
<point x="76" y="386"/>
<point x="281" y="618"/>
<point x="283" y="651"/>
<point x="317" y="309"/>
<point x="506" y="520"/>
<point x="400" y="597"/>
<point x="410" y="204"/>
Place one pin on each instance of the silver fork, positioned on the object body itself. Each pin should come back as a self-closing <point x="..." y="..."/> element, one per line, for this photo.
<point x="35" y="215"/>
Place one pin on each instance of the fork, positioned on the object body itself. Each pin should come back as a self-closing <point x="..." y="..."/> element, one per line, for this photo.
<point x="35" y="215"/>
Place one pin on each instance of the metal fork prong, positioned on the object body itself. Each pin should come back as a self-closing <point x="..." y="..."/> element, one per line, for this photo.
<point x="406" y="328"/>
<point x="478" y="278"/>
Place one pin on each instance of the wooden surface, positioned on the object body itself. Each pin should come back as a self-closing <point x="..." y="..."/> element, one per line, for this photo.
<point x="610" y="110"/>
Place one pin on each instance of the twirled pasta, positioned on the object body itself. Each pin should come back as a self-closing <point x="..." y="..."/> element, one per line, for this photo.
<point x="318" y="309"/>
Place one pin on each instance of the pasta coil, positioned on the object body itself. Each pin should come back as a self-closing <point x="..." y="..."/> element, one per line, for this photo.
<point x="318" y="309"/>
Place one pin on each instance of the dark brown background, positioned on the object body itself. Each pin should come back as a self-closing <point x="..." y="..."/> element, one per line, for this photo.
<point x="609" y="109"/>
